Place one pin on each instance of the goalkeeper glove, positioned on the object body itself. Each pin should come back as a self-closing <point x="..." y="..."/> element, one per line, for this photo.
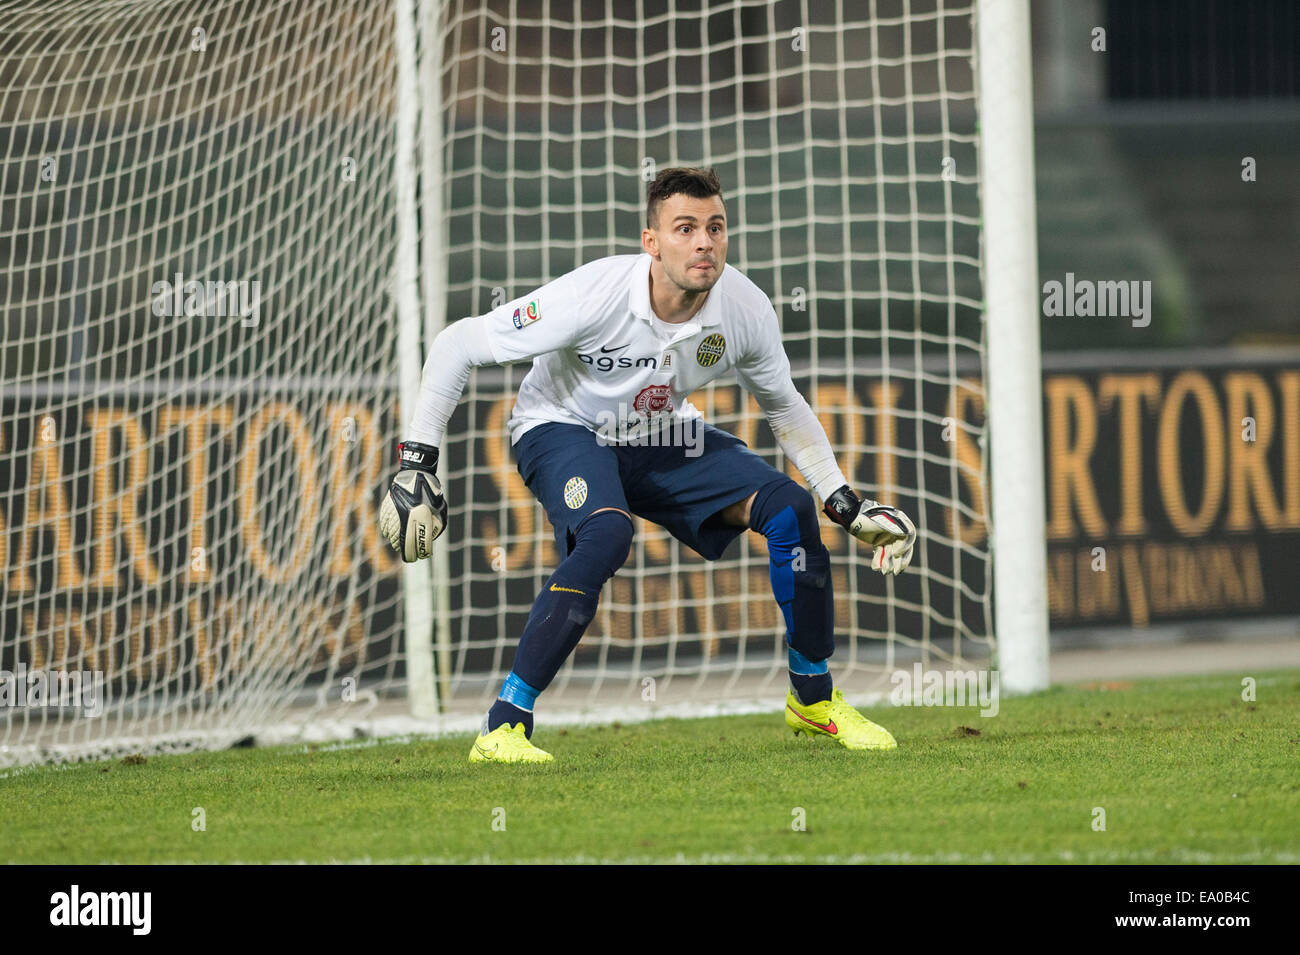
<point x="884" y="528"/>
<point x="414" y="511"/>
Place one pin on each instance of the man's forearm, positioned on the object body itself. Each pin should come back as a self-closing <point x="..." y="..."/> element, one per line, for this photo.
<point x="459" y="347"/>
<point x="804" y="441"/>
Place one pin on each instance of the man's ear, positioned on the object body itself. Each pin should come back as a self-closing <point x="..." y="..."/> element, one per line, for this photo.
<point x="650" y="242"/>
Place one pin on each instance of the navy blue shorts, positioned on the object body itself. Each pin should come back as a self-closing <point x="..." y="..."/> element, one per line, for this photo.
<point x="574" y="475"/>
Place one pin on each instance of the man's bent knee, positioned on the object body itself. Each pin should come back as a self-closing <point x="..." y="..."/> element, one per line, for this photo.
<point x="611" y="535"/>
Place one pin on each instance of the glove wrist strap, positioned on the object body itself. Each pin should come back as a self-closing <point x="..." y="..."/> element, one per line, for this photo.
<point x="842" y="506"/>
<point x="416" y="456"/>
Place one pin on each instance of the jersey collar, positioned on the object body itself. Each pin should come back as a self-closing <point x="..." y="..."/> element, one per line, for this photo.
<point x="639" y="297"/>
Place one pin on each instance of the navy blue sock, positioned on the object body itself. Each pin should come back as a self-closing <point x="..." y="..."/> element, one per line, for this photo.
<point x="563" y="610"/>
<point x="810" y="680"/>
<point x="514" y="705"/>
<point x="508" y="713"/>
<point x="785" y="514"/>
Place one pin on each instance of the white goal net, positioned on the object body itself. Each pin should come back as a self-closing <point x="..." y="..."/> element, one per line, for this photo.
<point x="845" y="139"/>
<point x="197" y="371"/>
<point x="216" y="233"/>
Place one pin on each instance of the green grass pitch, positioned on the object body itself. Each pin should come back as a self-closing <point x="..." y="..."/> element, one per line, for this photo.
<point x="1185" y="770"/>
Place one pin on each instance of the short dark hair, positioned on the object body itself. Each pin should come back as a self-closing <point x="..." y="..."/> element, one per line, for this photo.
<point x="681" y="180"/>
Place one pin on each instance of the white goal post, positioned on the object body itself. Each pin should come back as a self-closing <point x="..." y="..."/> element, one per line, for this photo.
<point x="231" y="230"/>
<point x="1014" y="364"/>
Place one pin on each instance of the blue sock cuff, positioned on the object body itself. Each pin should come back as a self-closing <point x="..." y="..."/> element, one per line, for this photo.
<point x="518" y="693"/>
<point x="801" y="665"/>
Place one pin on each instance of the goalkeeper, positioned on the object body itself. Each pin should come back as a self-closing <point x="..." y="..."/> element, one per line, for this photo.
<point x="597" y="432"/>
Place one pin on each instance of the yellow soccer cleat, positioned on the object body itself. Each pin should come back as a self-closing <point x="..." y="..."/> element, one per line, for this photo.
<point x="507" y="744"/>
<point x="836" y="719"/>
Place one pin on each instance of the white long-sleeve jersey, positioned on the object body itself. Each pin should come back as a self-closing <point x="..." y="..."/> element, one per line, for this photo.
<point x="603" y="359"/>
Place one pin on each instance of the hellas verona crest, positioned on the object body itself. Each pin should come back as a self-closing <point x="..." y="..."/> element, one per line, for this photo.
<point x="575" y="493"/>
<point x="711" y="350"/>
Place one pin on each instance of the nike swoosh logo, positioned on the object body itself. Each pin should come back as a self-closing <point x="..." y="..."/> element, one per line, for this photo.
<point x="828" y="727"/>
<point x="486" y="753"/>
<point x="606" y="351"/>
<point x="567" y="590"/>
